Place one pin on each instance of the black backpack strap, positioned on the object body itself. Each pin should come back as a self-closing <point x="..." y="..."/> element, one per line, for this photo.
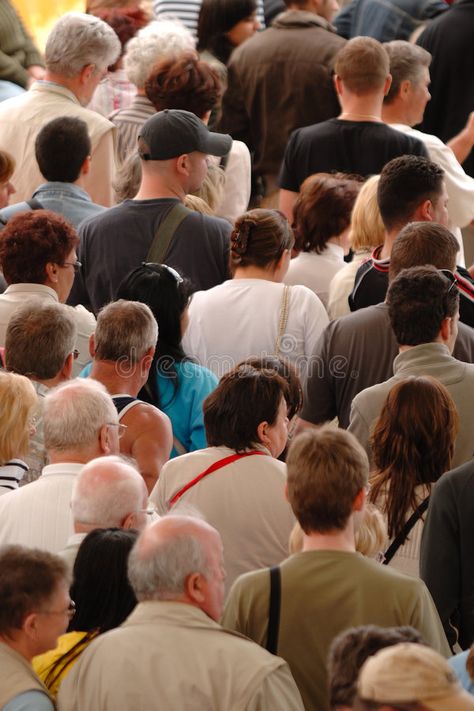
<point x="402" y="536"/>
<point x="274" y="610"/>
<point x="34" y="204"/>
<point x="165" y="233"/>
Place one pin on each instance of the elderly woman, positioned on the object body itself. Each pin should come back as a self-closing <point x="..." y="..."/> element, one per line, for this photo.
<point x="35" y="611"/>
<point x="38" y="259"/>
<point x="237" y="483"/>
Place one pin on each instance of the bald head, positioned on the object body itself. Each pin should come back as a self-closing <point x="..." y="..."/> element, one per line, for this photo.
<point x="109" y="493"/>
<point x="179" y="558"/>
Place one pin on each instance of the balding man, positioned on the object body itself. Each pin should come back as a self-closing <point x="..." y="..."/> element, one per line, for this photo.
<point x="176" y="571"/>
<point x="80" y="423"/>
<point x="108" y="493"/>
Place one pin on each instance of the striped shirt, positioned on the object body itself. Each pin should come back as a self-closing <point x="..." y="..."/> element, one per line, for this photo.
<point x="188" y="11"/>
<point x="11" y="474"/>
<point x="129" y="122"/>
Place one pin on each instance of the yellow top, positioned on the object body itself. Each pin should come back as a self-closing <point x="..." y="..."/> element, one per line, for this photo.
<point x="43" y="662"/>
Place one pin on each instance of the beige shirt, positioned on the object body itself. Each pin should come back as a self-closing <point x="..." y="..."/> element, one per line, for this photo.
<point x="170" y="655"/>
<point x="21" y="119"/>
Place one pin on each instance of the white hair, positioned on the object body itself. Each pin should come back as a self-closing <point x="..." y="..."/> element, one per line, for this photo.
<point x="125" y="330"/>
<point x="77" y="40"/>
<point x="74" y="413"/>
<point x="106" y="491"/>
<point x="158" y="39"/>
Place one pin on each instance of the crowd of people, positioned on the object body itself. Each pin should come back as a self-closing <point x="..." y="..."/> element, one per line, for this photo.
<point x="236" y="346"/>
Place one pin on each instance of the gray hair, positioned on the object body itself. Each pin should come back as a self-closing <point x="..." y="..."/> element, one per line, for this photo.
<point x="78" y="40"/>
<point x="156" y="40"/>
<point x="74" y="413"/>
<point x="40" y="336"/>
<point x="406" y="63"/>
<point x="125" y="330"/>
<point x="106" y="491"/>
<point x="160" y="572"/>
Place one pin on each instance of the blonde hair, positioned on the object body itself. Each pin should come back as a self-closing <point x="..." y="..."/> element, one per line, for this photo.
<point x="367" y="229"/>
<point x="193" y="202"/>
<point x="18" y="400"/>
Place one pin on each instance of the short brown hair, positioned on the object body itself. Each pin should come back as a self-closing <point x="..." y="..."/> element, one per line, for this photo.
<point x="421" y="243"/>
<point x="327" y="468"/>
<point x="243" y="399"/>
<point x="28" y="578"/>
<point x="184" y="82"/>
<point x="7" y="166"/>
<point x="406" y="62"/>
<point x="323" y="210"/>
<point x="32" y="239"/>
<point x="259" y="238"/>
<point x="363" y="65"/>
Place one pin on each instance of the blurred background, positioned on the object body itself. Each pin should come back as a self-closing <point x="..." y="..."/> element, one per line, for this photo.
<point x="39" y="15"/>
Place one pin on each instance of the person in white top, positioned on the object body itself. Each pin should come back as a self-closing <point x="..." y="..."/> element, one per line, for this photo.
<point x="322" y="216"/>
<point x="254" y="314"/>
<point x="403" y="108"/>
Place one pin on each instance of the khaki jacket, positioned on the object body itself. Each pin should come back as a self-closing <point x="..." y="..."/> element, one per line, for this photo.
<point x="17" y="676"/>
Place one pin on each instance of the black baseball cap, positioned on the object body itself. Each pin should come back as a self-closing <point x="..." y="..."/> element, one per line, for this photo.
<point x="170" y="133"/>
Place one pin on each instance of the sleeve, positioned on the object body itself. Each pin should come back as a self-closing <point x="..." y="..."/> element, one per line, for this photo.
<point x="343" y="21"/>
<point x="426" y="620"/>
<point x="319" y="404"/>
<point x="11" y="70"/>
<point x="235" y="119"/>
<point x="30" y="701"/>
<point x="460" y="185"/>
<point x="440" y="557"/>
<point x="288" y="179"/>
<point x="359" y="426"/>
<point x="278" y="691"/>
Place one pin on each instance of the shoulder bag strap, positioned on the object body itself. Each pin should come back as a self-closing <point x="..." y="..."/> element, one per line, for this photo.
<point x="274" y="610"/>
<point x="214" y="467"/>
<point x="283" y="318"/>
<point x="165" y="233"/>
<point x="402" y="536"/>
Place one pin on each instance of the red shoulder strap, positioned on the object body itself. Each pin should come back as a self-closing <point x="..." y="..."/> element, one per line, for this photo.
<point x="214" y="467"/>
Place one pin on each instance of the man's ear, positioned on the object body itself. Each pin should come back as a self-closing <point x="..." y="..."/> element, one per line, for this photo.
<point x="194" y="588"/>
<point x="359" y="501"/>
<point x="86" y="166"/>
<point x="423" y="213"/>
<point x="86" y="73"/>
<point x="104" y="440"/>
<point x="66" y="370"/>
<point x="91" y="345"/>
<point x="338" y="85"/>
<point x="387" y="85"/>
<point x="147" y="360"/>
<point x="182" y="165"/>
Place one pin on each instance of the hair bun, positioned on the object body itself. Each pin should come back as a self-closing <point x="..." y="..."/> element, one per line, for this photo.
<point x="240" y="235"/>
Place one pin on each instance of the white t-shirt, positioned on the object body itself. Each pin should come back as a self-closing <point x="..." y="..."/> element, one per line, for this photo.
<point x="316" y="270"/>
<point x="240" y="318"/>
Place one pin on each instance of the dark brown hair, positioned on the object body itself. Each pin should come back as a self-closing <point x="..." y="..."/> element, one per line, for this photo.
<point x="412" y="444"/>
<point x="323" y="210"/>
<point x="32" y="239"/>
<point x="287" y="371"/>
<point x="421" y="243"/>
<point x="243" y="399"/>
<point x="7" y="166"/>
<point x="184" y="82"/>
<point x="259" y="238"/>
<point x="363" y="65"/>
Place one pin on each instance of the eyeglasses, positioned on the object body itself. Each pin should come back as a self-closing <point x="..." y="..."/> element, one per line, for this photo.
<point x="151" y="265"/>
<point x="70" y="611"/>
<point x="121" y="428"/>
<point x="148" y="511"/>
<point x="449" y="275"/>
<point x="75" y="265"/>
<point x="75" y="354"/>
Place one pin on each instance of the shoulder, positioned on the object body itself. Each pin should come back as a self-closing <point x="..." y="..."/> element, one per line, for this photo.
<point x="188" y="370"/>
<point x="208" y="223"/>
<point x="110" y="215"/>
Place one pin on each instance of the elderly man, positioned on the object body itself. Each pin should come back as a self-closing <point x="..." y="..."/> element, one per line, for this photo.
<point x="155" y="226"/>
<point x="328" y="587"/>
<point x="176" y="572"/>
<point x="35" y="611"/>
<point x="80" y="423"/>
<point x="122" y="348"/>
<point x="108" y="493"/>
<point x="78" y="51"/>
<point x="39" y="343"/>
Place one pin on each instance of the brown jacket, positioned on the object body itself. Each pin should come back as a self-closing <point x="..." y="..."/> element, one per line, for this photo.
<point x="280" y="80"/>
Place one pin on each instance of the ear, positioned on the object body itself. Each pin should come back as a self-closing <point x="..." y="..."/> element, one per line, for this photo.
<point x="128" y="522"/>
<point x="424" y="212"/>
<point x="66" y="370"/>
<point x="359" y="501"/>
<point x="387" y="85"/>
<point x="194" y="588"/>
<point x="262" y="433"/>
<point x="86" y="166"/>
<point x="91" y="345"/>
<point x="147" y="360"/>
<point x="104" y="440"/>
<point x="52" y="270"/>
<point x="30" y="625"/>
<point x="286" y="492"/>
<point x="446" y="329"/>
<point x="405" y="87"/>
<point x="338" y="85"/>
<point x="182" y="165"/>
<point x="86" y="73"/>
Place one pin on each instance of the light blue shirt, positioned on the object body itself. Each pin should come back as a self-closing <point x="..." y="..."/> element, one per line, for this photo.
<point x="30" y="701"/>
<point x="458" y="665"/>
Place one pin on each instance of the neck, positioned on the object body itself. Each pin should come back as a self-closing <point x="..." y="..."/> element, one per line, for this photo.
<point x="129" y="381"/>
<point x="18" y="645"/>
<point x="52" y="382"/>
<point x="391" y="113"/>
<point x="73" y="456"/>
<point x="68" y="82"/>
<point x="361" y="108"/>
<point x="390" y="237"/>
<point x="342" y="540"/>
<point x="252" y="272"/>
<point x="155" y="186"/>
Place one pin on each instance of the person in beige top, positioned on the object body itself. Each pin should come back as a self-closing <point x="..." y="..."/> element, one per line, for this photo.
<point x="171" y="653"/>
<point x="78" y="51"/>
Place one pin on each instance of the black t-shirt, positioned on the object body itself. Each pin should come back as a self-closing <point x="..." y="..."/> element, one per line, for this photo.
<point x="361" y="147"/>
<point x="116" y="241"/>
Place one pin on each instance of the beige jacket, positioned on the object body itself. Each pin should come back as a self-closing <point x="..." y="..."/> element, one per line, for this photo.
<point x="16" y="676"/>
<point x="170" y="655"/>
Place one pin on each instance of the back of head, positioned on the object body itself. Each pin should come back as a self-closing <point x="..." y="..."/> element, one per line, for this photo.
<point x="405" y="183"/>
<point x="18" y="403"/>
<point x="418" y="301"/>
<point x="367" y="228"/>
<point x="185" y="82"/>
<point x="243" y="399"/>
<point x="28" y="579"/>
<point x="286" y="370"/>
<point x="126" y="330"/>
<point x="159" y="39"/>
<point x="216" y="18"/>
<point x="78" y="40"/>
<point x="323" y="210"/>
<point x="32" y="239"/>
<point x="74" y="413"/>
<point x="125" y="22"/>
<point x="40" y="336"/>
<point x="421" y="243"/>
<point x="100" y="588"/>
<point x="61" y="147"/>
<point x="407" y="62"/>
<point x="259" y="238"/>
<point x="327" y="468"/>
<point x="106" y="492"/>
<point x="362" y="65"/>
<point x="349" y="651"/>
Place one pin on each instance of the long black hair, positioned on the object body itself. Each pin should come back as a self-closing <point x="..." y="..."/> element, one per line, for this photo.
<point x="216" y="17"/>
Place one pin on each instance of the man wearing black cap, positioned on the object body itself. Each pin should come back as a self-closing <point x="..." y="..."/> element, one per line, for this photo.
<point x="155" y="226"/>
